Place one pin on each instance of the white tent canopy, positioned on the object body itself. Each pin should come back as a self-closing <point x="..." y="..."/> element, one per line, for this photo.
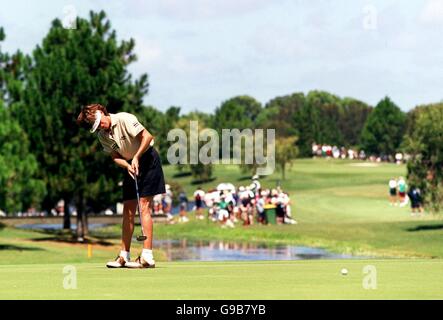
<point x="226" y="186"/>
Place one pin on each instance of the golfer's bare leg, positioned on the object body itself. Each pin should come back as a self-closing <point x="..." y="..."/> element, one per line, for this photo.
<point x="129" y="209"/>
<point x="145" y="204"/>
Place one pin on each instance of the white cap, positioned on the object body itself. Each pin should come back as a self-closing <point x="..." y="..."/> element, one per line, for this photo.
<point x="98" y="117"/>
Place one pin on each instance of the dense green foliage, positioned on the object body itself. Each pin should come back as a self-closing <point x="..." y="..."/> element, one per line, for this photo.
<point x="424" y="143"/>
<point x="20" y="189"/>
<point x="384" y="129"/>
<point x="318" y="117"/>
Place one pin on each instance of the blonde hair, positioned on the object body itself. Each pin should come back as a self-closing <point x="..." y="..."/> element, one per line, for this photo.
<point x="87" y="114"/>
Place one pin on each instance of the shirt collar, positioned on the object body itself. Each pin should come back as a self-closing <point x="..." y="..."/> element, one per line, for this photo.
<point x="113" y="120"/>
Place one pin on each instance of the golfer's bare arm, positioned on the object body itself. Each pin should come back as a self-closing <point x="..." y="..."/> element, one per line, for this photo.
<point x="146" y="139"/>
<point x="119" y="160"/>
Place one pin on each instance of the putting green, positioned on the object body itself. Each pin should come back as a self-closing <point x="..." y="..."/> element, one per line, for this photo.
<point x="394" y="279"/>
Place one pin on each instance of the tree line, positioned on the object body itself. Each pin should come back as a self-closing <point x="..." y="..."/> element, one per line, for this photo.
<point x="45" y="156"/>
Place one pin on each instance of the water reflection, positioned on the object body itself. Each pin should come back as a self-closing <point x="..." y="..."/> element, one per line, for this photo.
<point x="184" y="250"/>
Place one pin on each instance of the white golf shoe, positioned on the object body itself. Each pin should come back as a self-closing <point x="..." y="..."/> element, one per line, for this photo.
<point x="119" y="262"/>
<point x="140" y="263"/>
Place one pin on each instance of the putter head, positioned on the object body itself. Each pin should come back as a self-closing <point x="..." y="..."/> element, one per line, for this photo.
<point x="141" y="238"/>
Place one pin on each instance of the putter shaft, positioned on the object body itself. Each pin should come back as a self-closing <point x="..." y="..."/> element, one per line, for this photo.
<point x="142" y="237"/>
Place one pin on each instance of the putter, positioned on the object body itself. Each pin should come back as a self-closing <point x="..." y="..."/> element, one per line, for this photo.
<point x="142" y="237"/>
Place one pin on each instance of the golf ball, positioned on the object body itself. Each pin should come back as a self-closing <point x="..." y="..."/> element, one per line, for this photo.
<point x="344" y="271"/>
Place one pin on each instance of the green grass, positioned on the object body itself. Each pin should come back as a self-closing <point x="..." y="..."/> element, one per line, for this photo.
<point x="34" y="247"/>
<point x="338" y="206"/>
<point x="400" y="279"/>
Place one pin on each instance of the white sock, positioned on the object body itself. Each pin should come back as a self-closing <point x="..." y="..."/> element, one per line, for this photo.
<point x="147" y="254"/>
<point x="125" y="255"/>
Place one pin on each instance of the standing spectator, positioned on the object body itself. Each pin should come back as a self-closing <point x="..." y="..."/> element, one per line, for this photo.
<point x="199" y="194"/>
<point x="167" y="204"/>
<point x="393" y="192"/>
<point x="314" y="149"/>
<point x="343" y="152"/>
<point x="402" y="191"/>
<point x="210" y="200"/>
<point x="398" y="157"/>
<point x="362" y="155"/>
<point x="158" y="206"/>
<point x="246" y="197"/>
<point x="255" y="185"/>
<point x="60" y="209"/>
<point x="414" y="195"/>
<point x="260" y="205"/>
<point x="335" y="152"/>
<point x="183" y="199"/>
<point x="223" y="213"/>
<point x="287" y="205"/>
<point x="351" y="154"/>
<point x="280" y="211"/>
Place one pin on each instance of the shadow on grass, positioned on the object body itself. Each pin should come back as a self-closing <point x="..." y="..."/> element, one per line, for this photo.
<point x="107" y="235"/>
<point x="426" y="228"/>
<point x="182" y="174"/>
<point x="70" y="237"/>
<point x="244" y="178"/>
<point x="195" y="182"/>
<point x="73" y="240"/>
<point x="2" y="226"/>
<point x="18" y="248"/>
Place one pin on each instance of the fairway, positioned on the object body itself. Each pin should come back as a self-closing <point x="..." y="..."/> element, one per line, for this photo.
<point x="402" y="279"/>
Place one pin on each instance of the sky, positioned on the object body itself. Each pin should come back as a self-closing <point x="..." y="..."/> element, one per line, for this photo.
<point x="199" y="53"/>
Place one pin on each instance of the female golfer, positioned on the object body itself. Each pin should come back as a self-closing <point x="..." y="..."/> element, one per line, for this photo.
<point x="130" y="146"/>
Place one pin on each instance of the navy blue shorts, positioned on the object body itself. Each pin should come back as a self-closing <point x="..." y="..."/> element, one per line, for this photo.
<point x="151" y="180"/>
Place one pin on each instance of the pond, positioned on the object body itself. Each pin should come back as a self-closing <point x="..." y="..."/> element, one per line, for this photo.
<point x="184" y="250"/>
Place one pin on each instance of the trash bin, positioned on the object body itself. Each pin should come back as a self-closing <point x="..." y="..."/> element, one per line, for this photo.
<point x="270" y="214"/>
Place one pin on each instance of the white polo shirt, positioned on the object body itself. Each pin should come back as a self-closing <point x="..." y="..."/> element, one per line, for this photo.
<point x="121" y="137"/>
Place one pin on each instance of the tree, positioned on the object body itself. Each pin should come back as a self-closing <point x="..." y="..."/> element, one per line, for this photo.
<point x="353" y="116"/>
<point x="158" y="125"/>
<point x="240" y="112"/>
<point x="384" y="129"/>
<point x="69" y="69"/>
<point x="279" y="114"/>
<point x="19" y="189"/>
<point x="317" y="121"/>
<point x="201" y="172"/>
<point x="285" y="153"/>
<point x="424" y="144"/>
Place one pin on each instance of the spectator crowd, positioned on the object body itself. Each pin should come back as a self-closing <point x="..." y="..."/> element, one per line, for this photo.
<point x="328" y="151"/>
<point x="245" y="205"/>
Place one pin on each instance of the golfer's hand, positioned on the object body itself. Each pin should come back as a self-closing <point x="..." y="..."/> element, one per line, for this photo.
<point x="134" y="164"/>
<point x="131" y="171"/>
